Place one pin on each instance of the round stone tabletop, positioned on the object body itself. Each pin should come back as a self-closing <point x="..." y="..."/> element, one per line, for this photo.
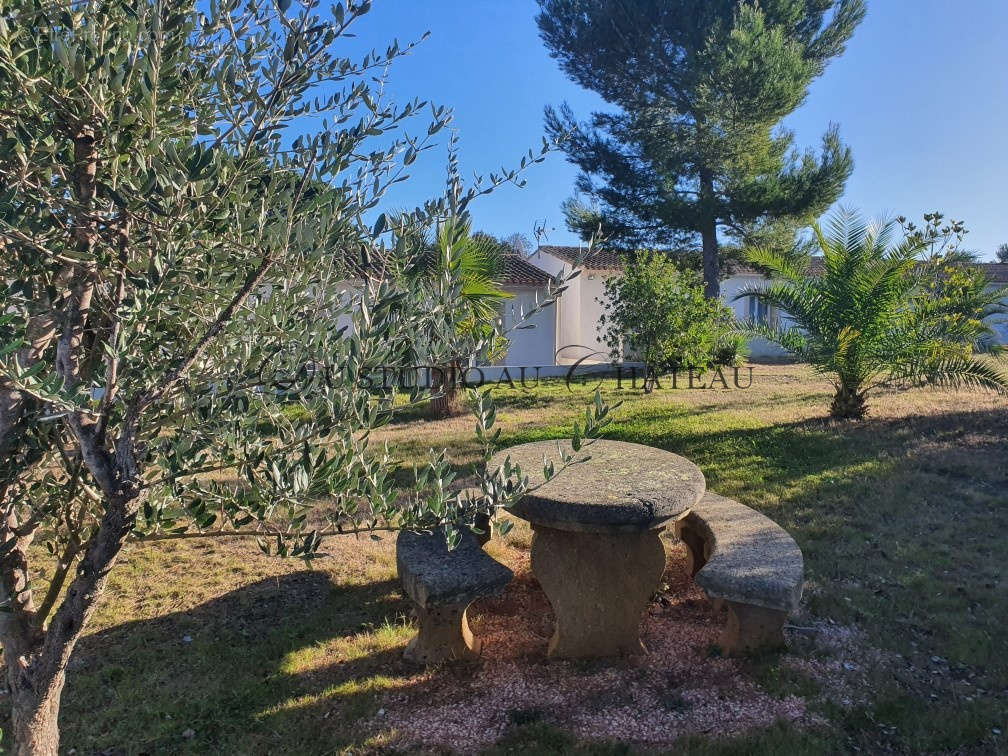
<point x="618" y="487"/>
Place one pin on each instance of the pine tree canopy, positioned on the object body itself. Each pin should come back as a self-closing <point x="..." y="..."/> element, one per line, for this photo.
<point x="692" y="145"/>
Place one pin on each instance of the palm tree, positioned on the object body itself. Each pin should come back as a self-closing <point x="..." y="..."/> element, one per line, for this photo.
<point x="478" y="264"/>
<point x="468" y="267"/>
<point x="877" y="314"/>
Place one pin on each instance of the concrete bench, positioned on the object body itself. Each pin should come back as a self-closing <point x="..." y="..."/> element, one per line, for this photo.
<point x="746" y="562"/>
<point x="442" y="584"/>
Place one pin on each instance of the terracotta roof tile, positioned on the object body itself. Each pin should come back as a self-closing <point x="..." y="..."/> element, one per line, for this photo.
<point x="516" y="270"/>
<point x="520" y="272"/>
<point x="998" y="272"/>
<point x="599" y="259"/>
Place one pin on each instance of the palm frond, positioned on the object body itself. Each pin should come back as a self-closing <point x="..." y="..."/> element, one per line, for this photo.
<point x="847" y="232"/>
<point x="968" y="373"/>
<point x="787" y="266"/>
<point x="876" y="313"/>
<point x="788" y="338"/>
<point x="879" y="236"/>
<point x="799" y="301"/>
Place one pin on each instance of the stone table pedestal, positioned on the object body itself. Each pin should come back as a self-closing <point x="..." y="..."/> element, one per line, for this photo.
<point x="599" y="586"/>
<point x="596" y="547"/>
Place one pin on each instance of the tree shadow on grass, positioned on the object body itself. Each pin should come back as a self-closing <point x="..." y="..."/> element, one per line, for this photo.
<point x="774" y="459"/>
<point x="901" y="522"/>
<point x="254" y="671"/>
<point x="296" y="664"/>
<point x="735" y="458"/>
<point x="909" y="545"/>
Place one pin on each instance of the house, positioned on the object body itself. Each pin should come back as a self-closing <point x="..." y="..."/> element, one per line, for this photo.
<point x="532" y="343"/>
<point x="578" y="309"/>
<point x="567" y="333"/>
<point x="575" y="332"/>
<point x="998" y="274"/>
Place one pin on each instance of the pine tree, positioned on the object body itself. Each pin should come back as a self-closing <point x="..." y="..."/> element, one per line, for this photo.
<point x="692" y="145"/>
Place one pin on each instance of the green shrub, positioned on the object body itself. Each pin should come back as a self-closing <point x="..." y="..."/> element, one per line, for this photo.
<point x="730" y="348"/>
<point x="659" y="315"/>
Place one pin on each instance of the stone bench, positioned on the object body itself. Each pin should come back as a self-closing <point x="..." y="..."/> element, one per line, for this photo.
<point x="746" y="562"/>
<point x="442" y="584"/>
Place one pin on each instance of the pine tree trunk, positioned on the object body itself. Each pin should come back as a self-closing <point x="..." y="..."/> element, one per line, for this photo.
<point x="711" y="274"/>
<point x="708" y="236"/>
<point x="35" y="715"/>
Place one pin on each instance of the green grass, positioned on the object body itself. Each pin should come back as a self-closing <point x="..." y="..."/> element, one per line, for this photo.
<point x="901" y="517"/>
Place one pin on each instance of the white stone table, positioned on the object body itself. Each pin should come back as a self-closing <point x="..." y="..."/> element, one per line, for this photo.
<point x="596" y="549"/>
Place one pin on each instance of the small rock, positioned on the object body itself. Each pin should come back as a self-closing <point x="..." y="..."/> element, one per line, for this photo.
<point x="189" y="733"/>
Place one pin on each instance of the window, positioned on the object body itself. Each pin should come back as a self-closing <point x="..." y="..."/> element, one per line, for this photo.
<point x="759" y="311"/>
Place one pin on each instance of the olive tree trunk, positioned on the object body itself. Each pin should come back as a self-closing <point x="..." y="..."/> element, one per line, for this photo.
<point x="36" y="658"/>
<point x="35" y="714"/>
<point x="34" y="694"/>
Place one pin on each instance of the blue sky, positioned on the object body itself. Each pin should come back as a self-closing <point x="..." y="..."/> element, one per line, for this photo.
<point x="921" y="96"/>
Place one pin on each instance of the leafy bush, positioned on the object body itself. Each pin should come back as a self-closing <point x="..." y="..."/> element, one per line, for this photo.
<point x="730" y="347"/>
<point x="658" y="314"/>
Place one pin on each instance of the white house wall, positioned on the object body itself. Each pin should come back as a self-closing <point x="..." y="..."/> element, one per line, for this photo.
<point x="573" y="321"/>
<point x="1000" y="325"/>
<point x="568" y="307"/>
<point x="590" y="346"/>
<point x="534" y="344"/>
<point x="999" y="322"/>
<point x="578" y="312"/>
<point x="732" y="286"/>
<point x="571" y="313"/>
<point x="577" y="336"/>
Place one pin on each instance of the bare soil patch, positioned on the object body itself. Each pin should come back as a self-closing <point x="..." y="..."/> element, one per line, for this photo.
<point x="682" y="686"/>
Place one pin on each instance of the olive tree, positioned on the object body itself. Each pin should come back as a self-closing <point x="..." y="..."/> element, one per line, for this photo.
<point x="185" y="251"/>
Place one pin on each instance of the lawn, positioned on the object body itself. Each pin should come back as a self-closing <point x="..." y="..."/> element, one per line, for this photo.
<point x="207" y="647"/>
